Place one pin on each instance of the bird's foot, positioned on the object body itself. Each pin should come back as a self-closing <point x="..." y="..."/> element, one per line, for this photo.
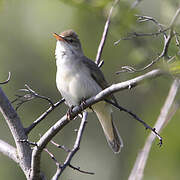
<point x="83" y="105"/>
<point x="69" y="113"/>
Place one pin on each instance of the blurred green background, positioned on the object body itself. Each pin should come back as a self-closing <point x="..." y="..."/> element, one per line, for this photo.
<point x="27" y="51"/>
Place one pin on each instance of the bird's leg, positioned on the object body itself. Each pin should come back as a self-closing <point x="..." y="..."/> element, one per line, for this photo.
<point x="83" y="104"/>
<point x="69" y="112"/>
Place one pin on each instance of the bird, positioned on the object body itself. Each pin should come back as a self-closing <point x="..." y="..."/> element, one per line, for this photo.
<point x="79" y="78"/>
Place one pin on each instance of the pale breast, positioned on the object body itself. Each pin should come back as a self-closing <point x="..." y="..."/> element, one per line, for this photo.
<point x="75" y="85"/>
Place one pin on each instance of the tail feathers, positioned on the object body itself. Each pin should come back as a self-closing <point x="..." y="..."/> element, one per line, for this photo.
<point x="116" y="144"/>
<point x="104" y="114"/>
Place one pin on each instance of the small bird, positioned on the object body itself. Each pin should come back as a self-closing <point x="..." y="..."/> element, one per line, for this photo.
<point x="79" y="78"/>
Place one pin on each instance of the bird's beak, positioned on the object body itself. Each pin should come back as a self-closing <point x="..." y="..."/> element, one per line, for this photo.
<point x="58" y="37"/>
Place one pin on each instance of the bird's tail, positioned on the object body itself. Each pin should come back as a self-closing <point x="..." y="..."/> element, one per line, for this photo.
<point x="104" y="114"/>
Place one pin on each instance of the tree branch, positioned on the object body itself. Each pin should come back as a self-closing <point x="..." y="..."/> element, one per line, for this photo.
<point x="104" y="35"/>
<point x="8" y="150"/>
<point x="138" y="119"/>
<point x="7" y="80"/>
<point x="138" y="169"/>
<point x="46" y="138"/>
<point x="43" y="116"/>
<point x="167" y="40"/>
<point x="75" y="148"/>
<point x="17" y="130"/>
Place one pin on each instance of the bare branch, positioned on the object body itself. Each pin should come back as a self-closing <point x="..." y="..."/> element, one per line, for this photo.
<point x="8" y="150"/>
<point x="60" y="146"/>
<point x="162" y="29"/>
<point x="167" y="40"/>
<point x="75" y="148"/>
<point x="7" y="80"/>
<point x="17" y="130"/>
<point x="82" y="171"/>
<point x="43" y="116"/>
<point x="138" y="169"/>
<point x="104" y="35"/>
<point x="138" y="119"/>
<point x="174" y="19"/>
<point x="46" y="138"/>
<point x="52" y="157"/>
<point x="31" y="94"/>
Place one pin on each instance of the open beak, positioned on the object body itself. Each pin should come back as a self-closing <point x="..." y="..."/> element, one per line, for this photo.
<point x="58" y="37"/>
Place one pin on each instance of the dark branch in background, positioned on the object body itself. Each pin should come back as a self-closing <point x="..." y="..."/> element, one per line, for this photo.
<point x="7" y="80"/>
<point x="82" y="171"/>
<point x="138" y="119"/>
<point x="61" y="168"/>
<point x="31" y="94"/>
<point x="43" y="116"/>
<point x="167" y="40"/>
<point x="104" y="35"/>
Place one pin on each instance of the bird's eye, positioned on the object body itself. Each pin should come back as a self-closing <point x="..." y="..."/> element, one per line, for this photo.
<point x="71" y="40"/>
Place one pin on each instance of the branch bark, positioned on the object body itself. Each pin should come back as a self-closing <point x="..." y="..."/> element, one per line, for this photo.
<point x="17" y="130"/>
<point x="75" y="148"/>
<point x="46" y="138"/>
<point x="104" y="35"/>
<point x="9" y="151"/>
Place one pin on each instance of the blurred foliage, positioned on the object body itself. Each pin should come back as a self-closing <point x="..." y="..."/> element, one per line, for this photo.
<point x="27" y="50"/>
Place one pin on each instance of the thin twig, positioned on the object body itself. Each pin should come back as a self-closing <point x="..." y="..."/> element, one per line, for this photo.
<point x="138" y="169"/>
<point x="161" y="29"/>
<point x="7" y="80"/>
<point x="80" y="170"/>
<point x="60" y="146"/>
<point x="75" y="148"/>
<point x="31" y="94"/>
<point x="104" y="35"/>
<point x="43" y="116"/>
<point x="70" y="165"/>
<point x="138" y="119"/>
<point x="52" y="157"/>
<point x="136" y="35"/>
<point x="167" y="40"/>
<point x="59" y="125"/>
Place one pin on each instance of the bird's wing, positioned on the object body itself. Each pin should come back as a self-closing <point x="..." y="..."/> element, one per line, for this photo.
<point x="97" y="75"/>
